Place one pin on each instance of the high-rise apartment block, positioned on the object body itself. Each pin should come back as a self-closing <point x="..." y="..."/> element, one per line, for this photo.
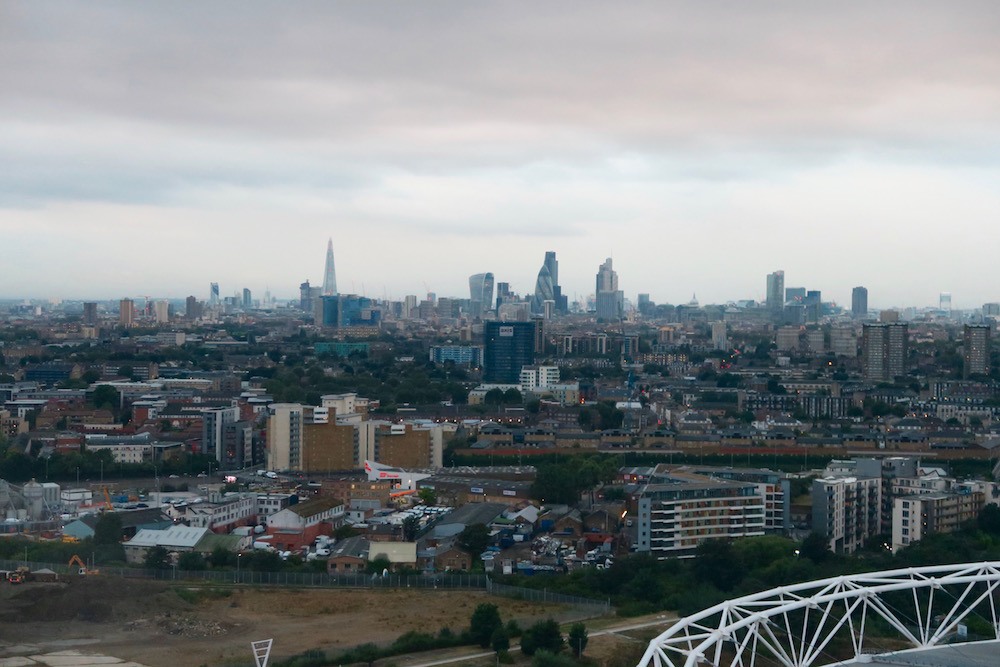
<point x="225" y="438"/>
<point x="976" y="353"/>
<point x="720" y="339"/>
<point x="507" y="348"/>
<point x="213" y="294"/>
<point x="284" y="436"/>
<point x="161" y="312"/>
<point x="884" y="348"/>
<point x="192" y="308"/>
<point x="844" y="342"/>
<point x="787" y="338"/>
<point x="859" y="302"/>
<point x="126" y="313"/>
<point x="90" y="312"/>
<point x="775" y="291"/>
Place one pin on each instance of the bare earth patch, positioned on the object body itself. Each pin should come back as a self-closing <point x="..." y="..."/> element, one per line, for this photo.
<point x="151" y="624"/>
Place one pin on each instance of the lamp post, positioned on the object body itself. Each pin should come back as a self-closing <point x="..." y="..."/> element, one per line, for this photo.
<point x="238" y="557"/>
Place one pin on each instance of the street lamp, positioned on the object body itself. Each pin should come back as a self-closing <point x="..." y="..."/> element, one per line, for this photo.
<point x="238" y="557"/>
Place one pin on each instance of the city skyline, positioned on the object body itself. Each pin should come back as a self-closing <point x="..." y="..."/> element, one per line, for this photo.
<point x="702" y="147"/>
<point x="530" y="297"/>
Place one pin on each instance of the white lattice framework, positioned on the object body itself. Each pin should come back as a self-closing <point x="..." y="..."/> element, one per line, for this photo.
<point x="816" y="622"/>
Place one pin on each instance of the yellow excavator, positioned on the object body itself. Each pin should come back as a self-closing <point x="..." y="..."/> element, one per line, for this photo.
<point x="82" y="568"/>
<point x="107" y="502"/>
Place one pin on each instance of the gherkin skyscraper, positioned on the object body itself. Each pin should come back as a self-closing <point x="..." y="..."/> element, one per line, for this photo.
<point x="547" y="287"/>
<point x="330" y="273"/>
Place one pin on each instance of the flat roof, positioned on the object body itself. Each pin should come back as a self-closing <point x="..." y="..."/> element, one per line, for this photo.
<point x="971" y="654"/>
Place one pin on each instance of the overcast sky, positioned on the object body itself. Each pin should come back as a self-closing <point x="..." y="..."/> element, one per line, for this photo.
<point x="150" y="148"/>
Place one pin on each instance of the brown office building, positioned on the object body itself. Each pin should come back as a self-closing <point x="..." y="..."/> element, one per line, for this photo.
<point x="401" y="446"/>
<point x="328" y="447"/>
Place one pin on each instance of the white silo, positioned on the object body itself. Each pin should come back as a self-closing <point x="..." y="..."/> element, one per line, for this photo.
<point x="34" y="500"/>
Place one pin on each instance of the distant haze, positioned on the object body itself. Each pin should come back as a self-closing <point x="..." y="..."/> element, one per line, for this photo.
<point x="150" y="148"/>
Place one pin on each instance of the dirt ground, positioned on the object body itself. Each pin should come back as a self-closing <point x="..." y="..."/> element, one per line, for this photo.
<point x="156" y="625"/>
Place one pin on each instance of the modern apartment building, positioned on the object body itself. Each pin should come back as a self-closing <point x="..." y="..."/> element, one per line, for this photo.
<point x="674" y="517"/>
<point x="918" y="515"/>
<point x="284" y="436"/>
<point x="847" y="510"/>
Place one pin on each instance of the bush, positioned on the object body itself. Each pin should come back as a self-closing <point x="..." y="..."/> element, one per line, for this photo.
<point x="546" y="659"/>
<point x="484" y="622"/>
<point x="542" y="636"/>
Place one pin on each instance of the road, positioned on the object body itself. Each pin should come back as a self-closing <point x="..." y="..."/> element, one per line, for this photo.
<point x="663" y="620"/>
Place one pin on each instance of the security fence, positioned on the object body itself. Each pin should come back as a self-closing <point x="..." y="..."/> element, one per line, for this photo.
<point x="442" y="581"/>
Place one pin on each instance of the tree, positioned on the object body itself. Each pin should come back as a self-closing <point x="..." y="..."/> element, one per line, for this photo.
<point x="157" y="558"/>
<point x="106" y="396"/>
<point x="578" y="639"/>
<point x="989" y="520"/>
<point x="367" y="653"/>
<point x="411" y="526"/>
<point x="474" y="539"/>
<point x="500" y="642"/>
<point x="428" y="496"/>
<point x="484" y="622"/>
<point x="494" y="397"/>
<point x="379" y="564"/>
<point x="717" y="563"/>
<point x="512" y="397"/>
<point x="220" y="557"/>
<point x="542" y="636"/>
<point x="108" y="529"/>
<point x="191" y="561"/>
<point x="815" y="548"/>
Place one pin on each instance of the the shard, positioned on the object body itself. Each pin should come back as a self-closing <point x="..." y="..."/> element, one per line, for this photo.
<point x="330" y="273"/>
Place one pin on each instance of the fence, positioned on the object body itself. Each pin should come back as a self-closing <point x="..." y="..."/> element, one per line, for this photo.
<point x="480" y="582"/>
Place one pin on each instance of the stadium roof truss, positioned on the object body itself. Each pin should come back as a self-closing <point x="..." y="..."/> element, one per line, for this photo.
<point x="836" y="620"/>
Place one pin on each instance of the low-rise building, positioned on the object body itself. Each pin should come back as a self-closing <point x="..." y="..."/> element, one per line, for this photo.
<point x="300" y="524"/>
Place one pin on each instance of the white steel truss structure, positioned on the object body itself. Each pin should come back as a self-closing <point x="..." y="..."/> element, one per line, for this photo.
<point x="838" y="619"/>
